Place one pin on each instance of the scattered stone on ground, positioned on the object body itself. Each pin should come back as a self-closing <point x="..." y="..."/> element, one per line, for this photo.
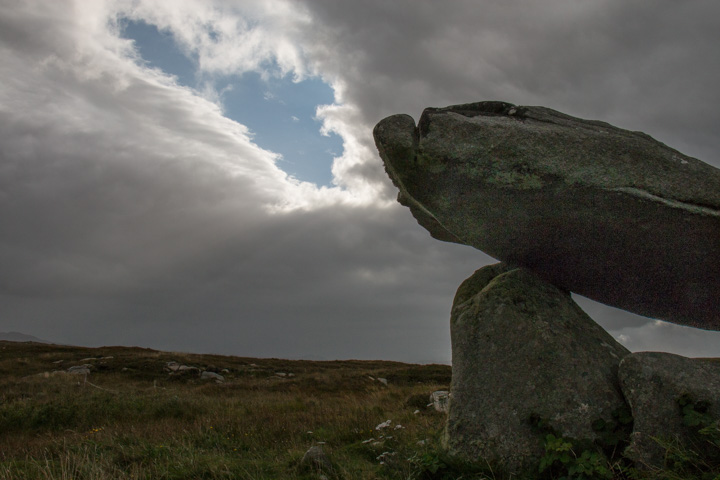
<point x="653" y="384"/>
<point x="611" y="214"/>
<point x="93" y="359"/>
<point x="440" y="400"/>
<point x="212" y="376"/>
<point x="316" y="459"/>
<point x="523" y="350"/>
<point x="382" y="380"/>
<point x="172" y="366"/>
<point x="80" y="369"/>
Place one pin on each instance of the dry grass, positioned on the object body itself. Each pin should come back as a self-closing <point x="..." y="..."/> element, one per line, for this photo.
<point x="130" y="419"/>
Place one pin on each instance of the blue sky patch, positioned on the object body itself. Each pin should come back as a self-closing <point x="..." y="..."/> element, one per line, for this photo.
<point x="279" y="112"/>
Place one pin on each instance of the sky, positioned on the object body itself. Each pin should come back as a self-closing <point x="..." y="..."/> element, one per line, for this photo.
<point x="200" y="175"/>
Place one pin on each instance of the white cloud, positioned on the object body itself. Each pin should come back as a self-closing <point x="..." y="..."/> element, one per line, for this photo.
<point x="273" y="38"/>
<point x="666" y="337"/>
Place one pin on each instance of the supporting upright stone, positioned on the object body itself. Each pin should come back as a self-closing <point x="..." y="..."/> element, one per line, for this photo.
<point x="523" y="349"/>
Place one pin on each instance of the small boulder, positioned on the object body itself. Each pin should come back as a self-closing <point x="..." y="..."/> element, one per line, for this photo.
<point x="523" y="351"/>
<point x="316" y="459"/>
<point x="212" y="376"/>
<point x="657" y="386"/>
<point x="440" y="400"/>
<point x="172" y="366"/>
<point x="80" y="369"/>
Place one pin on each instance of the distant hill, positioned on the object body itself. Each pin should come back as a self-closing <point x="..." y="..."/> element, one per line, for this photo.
<point x="20" y="337"/>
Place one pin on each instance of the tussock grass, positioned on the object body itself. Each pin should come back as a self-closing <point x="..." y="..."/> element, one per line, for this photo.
<point x="130" y="419"/>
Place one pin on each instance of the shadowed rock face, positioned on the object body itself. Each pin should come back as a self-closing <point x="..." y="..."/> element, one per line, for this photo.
<point x="523" y="349"/>
<point x="653" y="383"/>
<point x="607" y="213"/>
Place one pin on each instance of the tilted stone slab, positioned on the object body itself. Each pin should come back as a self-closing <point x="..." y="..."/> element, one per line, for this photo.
<point x="523" y="350"/>
<point x="652" y="383"/>
<point x="607" y="213"/>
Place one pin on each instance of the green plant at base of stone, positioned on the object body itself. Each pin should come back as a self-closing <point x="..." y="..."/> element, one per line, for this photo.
<point x="427" y="463"/>
<point x="599" y="459"/>
<point x="694" y="413"/>
<point x="437" y="465"/>
<point x="561" y="459"/>
<point x="700" y="460"/>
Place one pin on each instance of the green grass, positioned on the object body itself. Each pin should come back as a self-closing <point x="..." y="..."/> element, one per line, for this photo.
<point x="130" y="419"/>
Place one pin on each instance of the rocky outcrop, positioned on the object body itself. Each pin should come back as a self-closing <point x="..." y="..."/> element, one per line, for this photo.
<point x="522" y="351"/>
<point x="658" y="387"/>
<point x="611" y="214"/>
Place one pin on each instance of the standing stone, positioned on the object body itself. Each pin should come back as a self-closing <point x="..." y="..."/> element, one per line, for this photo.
<point x="653" y="383"/>
<point x="521" y="348"/>
<point x="611" y="214"/>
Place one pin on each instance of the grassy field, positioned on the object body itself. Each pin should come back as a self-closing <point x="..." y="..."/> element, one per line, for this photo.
<point x="129" y="418"/>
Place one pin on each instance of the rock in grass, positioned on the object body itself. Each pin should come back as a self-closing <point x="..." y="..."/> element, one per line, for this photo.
<point x="212" y="376"/>
<point x="671" y="397"/>
<point x="316" y="459"/>
<point x="80" y="369"/>
<point x="440" y="400"/>
<point x="523" y="351"/>
<point x="608" y="213"/>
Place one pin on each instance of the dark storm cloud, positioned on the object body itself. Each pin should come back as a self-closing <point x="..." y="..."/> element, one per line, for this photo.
<point x="651" y="67"/>
<point x="132" y="212"/>
<point x="648" y="67"/>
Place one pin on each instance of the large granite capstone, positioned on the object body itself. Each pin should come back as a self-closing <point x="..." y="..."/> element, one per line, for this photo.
<point x="607" y="213"/>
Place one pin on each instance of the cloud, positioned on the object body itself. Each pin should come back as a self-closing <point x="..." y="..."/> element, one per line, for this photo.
<point x="666" y="337"/>
<point x="133" y="212"/>
<point x="643" y="67"/>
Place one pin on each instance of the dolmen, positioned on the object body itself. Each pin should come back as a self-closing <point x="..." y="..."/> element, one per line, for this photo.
<point x="566" y="205"/>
